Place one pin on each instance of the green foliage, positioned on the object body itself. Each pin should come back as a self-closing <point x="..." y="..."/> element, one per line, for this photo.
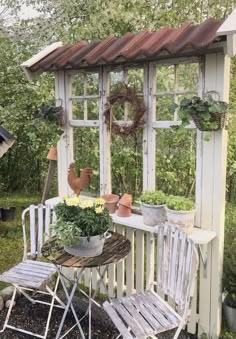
<point x="179" y="203"/>
<point x="80" y="218"/>
<point x="202" y="108"/>
<point x="229" y="267"/>
<point x="153" y="198"/>
<point x="227" y="335"/>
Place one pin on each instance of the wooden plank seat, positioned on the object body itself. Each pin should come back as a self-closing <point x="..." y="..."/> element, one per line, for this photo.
<point x="146" y="314"/>
<point x="29" y="273"/>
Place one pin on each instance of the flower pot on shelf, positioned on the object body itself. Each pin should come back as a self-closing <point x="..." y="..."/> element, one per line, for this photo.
<point x="124" y="207"/>
<point x="180" y="211"/>
<point x="111" y="201"/>
<point x="8" y="213"/>
<point x="183" y="219"/>
<point x="153" y="214"/>
<point x="87" y="246"/>
<point x="153" y="207"/>
<point x="229" y="308"/>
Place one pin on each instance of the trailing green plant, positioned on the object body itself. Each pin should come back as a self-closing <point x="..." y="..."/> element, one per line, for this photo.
<point x="179" y="203"/>
<point x="202" y="109"/>
<point x="76" y="218"/>
<point x="153" y="198"/>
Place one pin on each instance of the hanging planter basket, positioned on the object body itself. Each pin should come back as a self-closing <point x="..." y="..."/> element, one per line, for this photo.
<point x="220" y="119"/>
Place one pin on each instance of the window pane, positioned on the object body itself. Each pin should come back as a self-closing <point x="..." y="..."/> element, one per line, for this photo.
<point x="162" y="108"/>
<point x="127" y="164"/>
<point x="135" y="79"/>
<point x="85" y="109"/>
<point x="165" y="78"/>
<point x="187" y="77"/>
<point x="85" y="84"/>
<point x="86" y="154"/>
<point x="175" y="161"/>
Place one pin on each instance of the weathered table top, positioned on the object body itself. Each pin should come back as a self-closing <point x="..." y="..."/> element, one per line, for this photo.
<point x="116" y="247"/>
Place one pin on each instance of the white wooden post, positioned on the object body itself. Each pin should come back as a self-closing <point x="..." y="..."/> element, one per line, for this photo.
<point x="210" y="199"/>
<point x="65" y="145"/>
<point x="104" y="136"/>
<point x="149" y="134"/>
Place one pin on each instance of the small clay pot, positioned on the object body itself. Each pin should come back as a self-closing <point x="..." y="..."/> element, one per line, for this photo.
<point x="52" y="154"/>
<point x="111" y="201"/>
<point x="123" y="211"/>
<point x="125" y="203"/>
<point x="126" y="200"/>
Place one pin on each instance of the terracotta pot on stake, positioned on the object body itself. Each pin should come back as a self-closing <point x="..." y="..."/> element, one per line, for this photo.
<point x="111" y="201"/>
<point x="125" y="203"/>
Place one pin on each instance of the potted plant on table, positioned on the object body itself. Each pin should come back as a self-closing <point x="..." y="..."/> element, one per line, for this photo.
<point x="153" y="207"/>
<point x="180" y="211"/>
<point x="229" y="277"/>
<point x="82" y="226"/>
<point x="207" y="113"/>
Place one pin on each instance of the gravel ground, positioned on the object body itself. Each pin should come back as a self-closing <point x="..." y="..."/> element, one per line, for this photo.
<point x="33" y="318"/>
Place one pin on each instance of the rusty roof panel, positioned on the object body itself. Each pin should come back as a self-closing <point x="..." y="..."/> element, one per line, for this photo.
<point x="144" y="45"/>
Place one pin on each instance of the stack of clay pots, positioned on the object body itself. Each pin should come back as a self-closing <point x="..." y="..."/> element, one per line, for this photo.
<point x="124" y="204"/>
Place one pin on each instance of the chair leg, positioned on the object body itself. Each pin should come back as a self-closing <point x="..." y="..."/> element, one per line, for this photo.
<point x="9" y="310"/>
<point x="51" y="306"/>
<point x="177" y="333"/>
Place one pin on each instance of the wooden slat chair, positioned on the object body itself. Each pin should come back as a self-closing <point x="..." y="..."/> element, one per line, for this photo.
<point x="144" y="315"/>
<point x="30" y="275"/>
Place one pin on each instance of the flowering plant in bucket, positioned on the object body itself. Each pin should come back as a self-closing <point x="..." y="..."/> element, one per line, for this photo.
<point x="78" y="218"/>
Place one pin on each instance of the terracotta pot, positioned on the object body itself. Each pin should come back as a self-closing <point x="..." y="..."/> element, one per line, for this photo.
<point x="123" y="211"/>
<point x="111" y="201"/>
<point x="126" y="200"/>
<point x="52" y="154"/>
<point x="125" y="203"/>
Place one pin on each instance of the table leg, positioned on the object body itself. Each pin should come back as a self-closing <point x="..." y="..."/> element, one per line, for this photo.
<point x="70" y="305"/>
<point x="90" y="302"/>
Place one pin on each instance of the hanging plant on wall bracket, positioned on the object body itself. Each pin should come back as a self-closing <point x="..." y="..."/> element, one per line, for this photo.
<point x="120" y="95"/>
<point x="207" y="113"/>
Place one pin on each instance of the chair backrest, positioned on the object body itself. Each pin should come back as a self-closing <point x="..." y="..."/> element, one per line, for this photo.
<point x="35" y="224"/>
<point x="177" y="264"/>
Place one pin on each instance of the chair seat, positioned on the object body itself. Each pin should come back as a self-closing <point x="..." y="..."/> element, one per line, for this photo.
<point x="29" y="273"/>
<point x="144" y="313"/>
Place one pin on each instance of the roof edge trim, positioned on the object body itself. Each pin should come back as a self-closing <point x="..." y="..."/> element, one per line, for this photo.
<point x="37" y="57"/>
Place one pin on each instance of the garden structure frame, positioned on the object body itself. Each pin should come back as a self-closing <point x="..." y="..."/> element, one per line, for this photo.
<point x="210" y="45"/>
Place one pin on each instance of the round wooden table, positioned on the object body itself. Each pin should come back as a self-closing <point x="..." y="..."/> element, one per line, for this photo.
<point x="115" y="249"/>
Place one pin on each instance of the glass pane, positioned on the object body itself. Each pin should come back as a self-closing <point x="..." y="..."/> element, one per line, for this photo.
<point x="165" y="78"/>
<point x="77" y="84"/>
<point x="86" y="154"/>
<point x="187" y="77"/>
<point x="85" y="84"/>
<point x="115" y="77"/>
<point x="85" y="109"/>
<point x="127" y="164"/>
<point x="175" y="161"/>
<point x="135" y="79"/>
<point x="162" y="108"/>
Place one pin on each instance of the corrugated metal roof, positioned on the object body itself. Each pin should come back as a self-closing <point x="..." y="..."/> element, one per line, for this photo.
<point x="130" y="47"/>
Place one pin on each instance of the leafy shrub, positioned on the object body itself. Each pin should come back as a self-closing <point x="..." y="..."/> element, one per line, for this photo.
<point x="229" y="268"/>
<point x="153" y="198"/>
<point x="179" y="203"/>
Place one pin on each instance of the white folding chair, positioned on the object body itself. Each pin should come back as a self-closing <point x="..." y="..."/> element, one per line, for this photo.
<point x="30" y="275"/>
<point x="144" y="315"/>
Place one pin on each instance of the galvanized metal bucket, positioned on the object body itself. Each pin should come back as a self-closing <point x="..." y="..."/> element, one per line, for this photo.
<point x="183" y="219"/>
<point x="88" y="246"/>
<point x="153" y="214"/>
